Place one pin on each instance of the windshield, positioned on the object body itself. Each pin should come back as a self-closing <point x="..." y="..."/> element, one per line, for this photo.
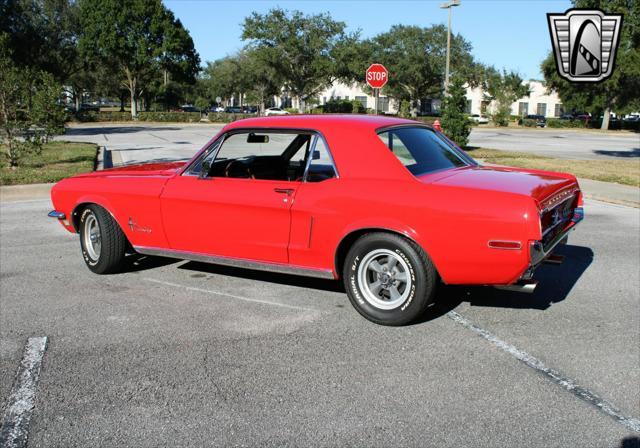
<point x="421" y="150"/>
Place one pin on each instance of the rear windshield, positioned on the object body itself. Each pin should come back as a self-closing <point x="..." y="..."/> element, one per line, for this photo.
<point x="421" y="150"/>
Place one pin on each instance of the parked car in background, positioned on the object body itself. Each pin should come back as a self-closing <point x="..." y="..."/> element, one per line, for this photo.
<point x="250" y="109"/>
<point x="233" y="110"/>
<point x="632" y="118"/>
<point x="217" y="109"/>
<point x="188" y="108"/>
<point x="389" y="206"/>
<point x="540" y="120"/>
<point x="275" y="111"/>
<point x="479" y="119"/>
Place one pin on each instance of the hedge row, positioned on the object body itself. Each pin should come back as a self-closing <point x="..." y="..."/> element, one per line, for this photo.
<point x="558" y="123"/>
<point x="179" y="117"/>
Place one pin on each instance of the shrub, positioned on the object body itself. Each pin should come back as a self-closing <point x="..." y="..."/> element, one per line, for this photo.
<point x="455" y="123"/>
<point x="528" y="123"/>
<point x="223" y="117"/>
<point x="181" y="117"/>
<point x="557" y="123"/>
<point x="405" y="109"/>
<point x="338" y="107"/>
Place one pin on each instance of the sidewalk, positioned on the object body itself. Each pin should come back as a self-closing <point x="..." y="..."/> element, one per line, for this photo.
<point x="592" y="189"/>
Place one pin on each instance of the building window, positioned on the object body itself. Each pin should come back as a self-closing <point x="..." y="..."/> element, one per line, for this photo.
<point x="346" y="97"/>
<point x="468" y="108"/>
<point x="542" y="109"/>
<point x="383" y="103"/>
<point x="558" y="111"/>
<point x="338" y="98"/>
<point x="363" y="101"/>
<point x="523" y="108"/>
<point x="324" y="100"/>
<point x="483" y="107"/>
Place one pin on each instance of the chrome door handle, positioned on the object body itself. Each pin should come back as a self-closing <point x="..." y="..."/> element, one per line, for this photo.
<point x="287" y="191"/>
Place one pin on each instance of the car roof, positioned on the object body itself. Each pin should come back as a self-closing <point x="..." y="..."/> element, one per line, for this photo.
<point x="320" y="122"/>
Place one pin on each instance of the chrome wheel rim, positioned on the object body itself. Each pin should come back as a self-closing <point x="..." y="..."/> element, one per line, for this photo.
<point x="384" y="278"/>
<point x="91" y="236"/>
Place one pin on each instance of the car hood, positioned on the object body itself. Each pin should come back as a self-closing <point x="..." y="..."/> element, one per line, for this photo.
<point x="143" y="169"/>
<point x="540" y="185"/>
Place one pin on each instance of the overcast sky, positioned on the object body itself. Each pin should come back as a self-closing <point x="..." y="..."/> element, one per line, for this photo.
<point x="505" y="33"/>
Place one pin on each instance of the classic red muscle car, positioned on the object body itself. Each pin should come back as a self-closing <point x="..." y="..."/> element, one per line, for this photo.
<point x="389" y="206"/>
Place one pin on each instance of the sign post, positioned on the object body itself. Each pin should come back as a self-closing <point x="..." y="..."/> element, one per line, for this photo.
<point x="377" y="76"/>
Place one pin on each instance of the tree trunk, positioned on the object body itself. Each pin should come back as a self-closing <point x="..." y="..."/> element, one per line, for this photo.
<point x="76" y="98"/>
<point x="605" y="118"/>
<point x="131" y="85"/>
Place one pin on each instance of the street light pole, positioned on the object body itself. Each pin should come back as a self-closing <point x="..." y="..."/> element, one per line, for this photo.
<point x="448" y="6"/>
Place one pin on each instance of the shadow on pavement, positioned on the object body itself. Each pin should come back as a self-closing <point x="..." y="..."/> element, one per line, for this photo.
<point x="555" y="282"/>
<point x="630" y="442"/>
<point x="635" y="152"/>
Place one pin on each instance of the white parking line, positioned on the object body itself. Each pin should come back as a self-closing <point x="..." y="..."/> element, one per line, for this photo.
<point x="231" y="296"/>
<point x="15" y="422"/>
<point x="553" y="375"/>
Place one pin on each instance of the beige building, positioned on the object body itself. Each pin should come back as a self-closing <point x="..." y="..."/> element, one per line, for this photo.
<point x="539" y="102"/>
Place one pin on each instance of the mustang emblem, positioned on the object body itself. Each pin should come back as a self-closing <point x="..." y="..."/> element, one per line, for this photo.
<point x="137" y="228"/>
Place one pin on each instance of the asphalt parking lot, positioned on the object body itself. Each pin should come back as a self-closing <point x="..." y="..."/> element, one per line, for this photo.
<point x="142" y="142"/>
<point x="175" y="353"/>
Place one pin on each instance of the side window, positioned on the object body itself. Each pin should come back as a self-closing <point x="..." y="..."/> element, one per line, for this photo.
<point x="321" y="165"/>
<point x="256" y="155"/>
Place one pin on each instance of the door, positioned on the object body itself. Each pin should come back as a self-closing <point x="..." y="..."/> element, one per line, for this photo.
<point x="236" y="201"/>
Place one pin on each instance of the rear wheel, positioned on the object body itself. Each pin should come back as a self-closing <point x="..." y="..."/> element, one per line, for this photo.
<point x="102" y="241"/>
<point x="390" y="280"/>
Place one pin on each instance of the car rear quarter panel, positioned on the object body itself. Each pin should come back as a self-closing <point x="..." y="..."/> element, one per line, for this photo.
<point x="453" y="225"/>
<point x="125" y="197"/>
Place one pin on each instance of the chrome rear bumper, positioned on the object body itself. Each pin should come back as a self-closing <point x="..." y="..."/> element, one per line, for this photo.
<point x="539" y="253"/>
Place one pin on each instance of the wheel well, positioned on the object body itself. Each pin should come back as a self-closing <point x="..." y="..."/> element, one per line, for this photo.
<point x="347" y="242"/>
<point x="76" y="213"/>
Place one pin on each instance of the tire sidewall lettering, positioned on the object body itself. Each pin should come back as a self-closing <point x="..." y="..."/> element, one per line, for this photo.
<point x="85" y="254"/>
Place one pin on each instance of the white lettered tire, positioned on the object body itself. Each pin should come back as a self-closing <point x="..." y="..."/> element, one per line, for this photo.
<point x="389" y="279"/>
<point x="102" y="241"/>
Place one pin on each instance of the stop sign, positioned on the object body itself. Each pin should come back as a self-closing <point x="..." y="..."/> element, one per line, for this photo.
<point x="377" y="76"/>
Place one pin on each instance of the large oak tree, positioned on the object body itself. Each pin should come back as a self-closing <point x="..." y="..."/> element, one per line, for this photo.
<point x="137" y="40"/>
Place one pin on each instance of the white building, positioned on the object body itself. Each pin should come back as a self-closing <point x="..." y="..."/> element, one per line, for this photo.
<point x="538" y="102"/>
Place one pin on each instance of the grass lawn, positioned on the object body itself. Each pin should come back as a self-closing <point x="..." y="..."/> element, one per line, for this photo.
<point x="626" y="172"/>
<point x="56" y="161"/>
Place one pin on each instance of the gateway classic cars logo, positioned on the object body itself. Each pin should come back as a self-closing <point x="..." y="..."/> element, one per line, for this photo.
<point x="585" y="43"/>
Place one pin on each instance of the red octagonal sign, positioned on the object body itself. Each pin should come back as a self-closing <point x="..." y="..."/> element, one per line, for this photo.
<point x="377" y="76"/>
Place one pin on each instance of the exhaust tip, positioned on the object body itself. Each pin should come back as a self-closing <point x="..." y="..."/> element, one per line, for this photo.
<point x="526" y="286"/>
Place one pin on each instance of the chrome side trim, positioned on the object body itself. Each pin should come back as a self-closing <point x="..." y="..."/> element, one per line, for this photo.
<point x="237" y="262"/>
<point x="56" y="214"/>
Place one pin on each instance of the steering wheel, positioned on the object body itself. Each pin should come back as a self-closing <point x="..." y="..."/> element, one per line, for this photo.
<point x="242" y="170"/>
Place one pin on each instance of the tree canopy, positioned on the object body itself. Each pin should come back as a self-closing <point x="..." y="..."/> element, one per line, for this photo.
<point x="137" y="40"/>
<point x="297" y="46"/>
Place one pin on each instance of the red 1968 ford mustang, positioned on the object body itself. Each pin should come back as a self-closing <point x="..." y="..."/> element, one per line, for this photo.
<point x="388" y="205"/>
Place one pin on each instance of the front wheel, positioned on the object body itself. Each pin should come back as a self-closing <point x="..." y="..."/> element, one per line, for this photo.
<point x="389" y="279"/>
<point x="102" y="241"/>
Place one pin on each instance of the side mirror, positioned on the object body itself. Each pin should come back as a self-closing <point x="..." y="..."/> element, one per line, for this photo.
<point x="204" y="171"/>
<point x="315" y="155"/>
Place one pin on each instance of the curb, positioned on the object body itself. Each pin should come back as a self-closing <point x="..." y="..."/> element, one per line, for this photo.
<point x="15" y="193"/>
